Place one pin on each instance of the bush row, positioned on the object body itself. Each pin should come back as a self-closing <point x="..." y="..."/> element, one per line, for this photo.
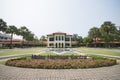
<point x="59" y="57"/>
<point x="61" y="64"/>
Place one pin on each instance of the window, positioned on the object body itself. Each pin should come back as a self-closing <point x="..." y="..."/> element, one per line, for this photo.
<point x="59" y="38"/>
<point x="62" y="38"/>
<point x="51" y="44"/>
<point x="67" y="45"/>
<point x="67" y="39"/>
<point x="56" y="38"/>
<point x="51" y="39"/>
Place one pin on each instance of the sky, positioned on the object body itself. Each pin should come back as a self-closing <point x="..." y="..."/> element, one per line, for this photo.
<point x="43" y="17"/>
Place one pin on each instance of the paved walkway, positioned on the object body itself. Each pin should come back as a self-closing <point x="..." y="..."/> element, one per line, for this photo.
<point x="109" y="56"/>
<point x="103" y="73"/>
<point x="13" y="56"/>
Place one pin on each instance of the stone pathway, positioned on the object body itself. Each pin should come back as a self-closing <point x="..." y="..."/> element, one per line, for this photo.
<point x="109" y="56"/>
<point x="103" y="73"/>
<point x="13" y="56"/>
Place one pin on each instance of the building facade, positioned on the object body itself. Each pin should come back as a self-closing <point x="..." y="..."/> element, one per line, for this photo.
<point x="3" y="37"/>
<point x="59" y="40"/>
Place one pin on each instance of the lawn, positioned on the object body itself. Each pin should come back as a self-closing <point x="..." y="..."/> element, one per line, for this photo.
<point x="112" y="51"/>
<point x="69" y="54"/>
<point x="105" y="51"/>
<point x="48" y="54"/>
<point x="5" y="52"/>
<point x="2" y="62"/>
<point x="64" y="54"/>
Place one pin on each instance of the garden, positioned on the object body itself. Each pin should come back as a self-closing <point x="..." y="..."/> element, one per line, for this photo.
<point x="63" y="61"/>
<point x="67" y="60"/>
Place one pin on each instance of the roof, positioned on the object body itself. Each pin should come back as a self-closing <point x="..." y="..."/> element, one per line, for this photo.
<point x="4" y="35"/>
<point x="59" y="33"/>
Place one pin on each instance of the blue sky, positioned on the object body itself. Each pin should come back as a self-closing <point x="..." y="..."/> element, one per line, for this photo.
<point x="71" y="16"/>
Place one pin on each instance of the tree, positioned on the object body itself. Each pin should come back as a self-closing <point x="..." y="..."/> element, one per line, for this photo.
<point x="43" y="38"/>
<point x="36" y="38"/>
<point x="3" y="26"/>
<point x="24" y="31"/>
<point x="11" y="30"/>
<point x="118" y="34"/>
<point x="87" y="40"/>
<point x="108" y="31"/>
<point x="80" y="40"/>
<point x="74" y="37"/>
<point x="94" y="33"/>
<point x="30" y="36"/>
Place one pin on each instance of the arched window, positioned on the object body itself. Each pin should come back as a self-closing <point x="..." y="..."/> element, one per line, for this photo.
<point x="62" y="38"/>
<point x="59" y="38"/>
<point x="59" y="45"/>
<point x="56" y="38"/>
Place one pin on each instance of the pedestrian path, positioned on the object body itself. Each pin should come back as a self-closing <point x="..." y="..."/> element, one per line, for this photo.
<point x="13" y="56"/>
<point x="103" y="73"/>
<point x="109" y="56"/>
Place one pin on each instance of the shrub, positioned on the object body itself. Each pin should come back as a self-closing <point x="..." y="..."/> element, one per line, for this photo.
<point x="60" y="63"/>
<point x="97" y="57"/>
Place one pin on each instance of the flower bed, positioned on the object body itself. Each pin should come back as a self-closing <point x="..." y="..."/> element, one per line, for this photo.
<point x="60" y="63"/>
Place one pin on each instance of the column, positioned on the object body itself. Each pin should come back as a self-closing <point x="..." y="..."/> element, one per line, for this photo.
<point x="70" y="41"/>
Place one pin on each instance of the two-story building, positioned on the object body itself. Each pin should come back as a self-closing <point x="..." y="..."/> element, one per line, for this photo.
<point x="59" y="40"/>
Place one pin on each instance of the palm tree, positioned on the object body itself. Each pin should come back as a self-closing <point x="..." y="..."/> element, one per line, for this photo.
<point x="3" y="25"/>
<point x="42" y="39"/>
<point x="87" y="40"/>
<point x="74" y="37"/>
<point x="23" y="31"/>
<point x="11" y="30"/>
<point x="94" y="33"/>
<point x="108" y="31"/>
<point x="30" y="36"/>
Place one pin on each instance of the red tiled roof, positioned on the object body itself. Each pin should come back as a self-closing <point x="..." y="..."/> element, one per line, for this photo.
<point x="58" y="33"/>
<point x="69" y="35"/>
<point x="50" y="35"/>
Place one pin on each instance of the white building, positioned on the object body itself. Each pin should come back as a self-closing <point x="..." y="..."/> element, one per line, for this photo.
<point x="59" y="40"/>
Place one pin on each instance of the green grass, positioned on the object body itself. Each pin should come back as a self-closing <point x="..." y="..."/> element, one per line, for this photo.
<point x="64" y="54"/>
<point x="20" y="51"/>
<point x="2" y="62"/>
<point x="69" y="54"/>
<point x="112" y="51"/>
<point x="48" y="54"/>
<point x="105" y="51"/>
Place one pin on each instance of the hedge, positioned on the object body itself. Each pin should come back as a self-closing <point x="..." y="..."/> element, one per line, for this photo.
<point x="60" y="64"/>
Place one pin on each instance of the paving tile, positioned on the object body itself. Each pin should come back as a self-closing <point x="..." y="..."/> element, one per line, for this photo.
<point x="103" y="73"/>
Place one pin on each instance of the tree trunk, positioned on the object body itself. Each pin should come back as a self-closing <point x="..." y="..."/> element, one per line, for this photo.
<point x="23" y="43"/>
<point x="109" y="45"/>
<point x="11" y="46"/>
<point x="95" y="43"/>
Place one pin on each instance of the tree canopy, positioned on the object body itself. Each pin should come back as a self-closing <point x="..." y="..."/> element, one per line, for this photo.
<point x="3" y="25"/>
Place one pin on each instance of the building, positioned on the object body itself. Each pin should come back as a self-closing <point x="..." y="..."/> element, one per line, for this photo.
<point x="59" y="40"/>
<point x="3" y="37"/>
